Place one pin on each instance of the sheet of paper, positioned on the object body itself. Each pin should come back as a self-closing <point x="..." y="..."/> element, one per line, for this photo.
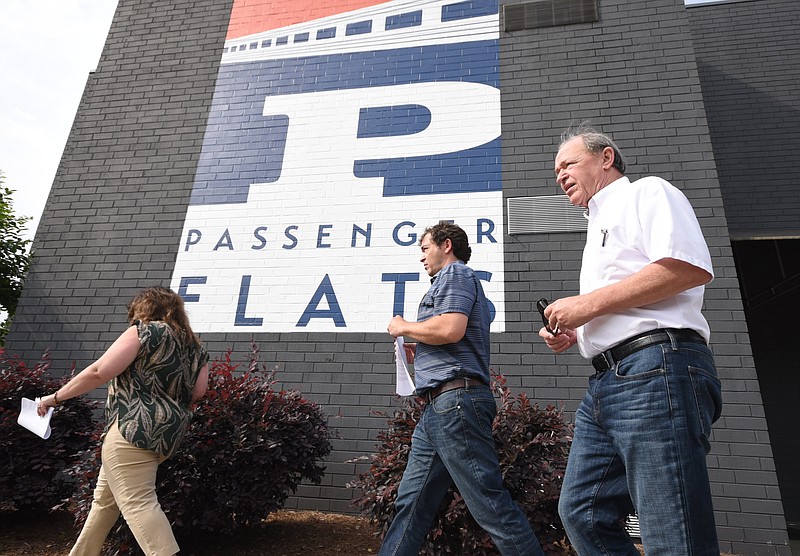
<point x="29" y="418"/>
<point x="405" y="385"/>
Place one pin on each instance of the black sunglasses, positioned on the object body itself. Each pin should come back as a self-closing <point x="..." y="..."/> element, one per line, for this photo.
<point x="541" y="305"/>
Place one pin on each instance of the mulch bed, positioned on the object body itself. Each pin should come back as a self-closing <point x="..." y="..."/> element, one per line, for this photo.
<point x="286" y="533"/>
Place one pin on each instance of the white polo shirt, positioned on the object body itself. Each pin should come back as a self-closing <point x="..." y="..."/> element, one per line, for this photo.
<point x="633" y="224"/>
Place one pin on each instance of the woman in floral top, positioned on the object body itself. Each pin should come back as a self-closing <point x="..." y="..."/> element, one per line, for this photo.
<point x="155" y="371"/>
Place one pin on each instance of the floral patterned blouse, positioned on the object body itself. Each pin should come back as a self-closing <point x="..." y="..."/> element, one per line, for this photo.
<point x="151" y="399"/>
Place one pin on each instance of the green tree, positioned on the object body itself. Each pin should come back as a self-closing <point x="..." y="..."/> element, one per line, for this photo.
<point x="14" y="257"/>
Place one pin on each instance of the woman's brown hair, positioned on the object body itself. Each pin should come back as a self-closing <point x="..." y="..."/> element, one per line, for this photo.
<point x="161" y="304"/>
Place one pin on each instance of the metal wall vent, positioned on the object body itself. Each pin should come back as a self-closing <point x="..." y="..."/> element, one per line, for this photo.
<point x="632" y="526"/>
<point x="541" y="215"/>
<point x="548" y="13"/>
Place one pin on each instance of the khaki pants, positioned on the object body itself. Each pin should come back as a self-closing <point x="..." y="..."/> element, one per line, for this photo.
<point x="126" y="483"/>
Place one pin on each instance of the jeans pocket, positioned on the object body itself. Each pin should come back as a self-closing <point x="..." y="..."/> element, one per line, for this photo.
<point x="485" y="411"/>
<point x="708" y="397"/>
<point x="447" y="402"/>
<point x="645" y="364"/>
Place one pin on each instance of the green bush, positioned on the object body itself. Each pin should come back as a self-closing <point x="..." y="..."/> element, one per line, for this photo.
<point x="532" y="447"/>
<point x="248" y="448"/>
<point x="31" y="478"/>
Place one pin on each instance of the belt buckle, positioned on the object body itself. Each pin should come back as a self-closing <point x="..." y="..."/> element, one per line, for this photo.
<point x="606" y="359"/>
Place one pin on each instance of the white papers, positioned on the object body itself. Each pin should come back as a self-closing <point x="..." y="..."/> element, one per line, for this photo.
<point x="405" y="385"/>
<point x="29" y="418"/>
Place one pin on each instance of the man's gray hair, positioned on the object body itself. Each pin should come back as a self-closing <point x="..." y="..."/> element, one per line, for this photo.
<point x="595" y="142"/>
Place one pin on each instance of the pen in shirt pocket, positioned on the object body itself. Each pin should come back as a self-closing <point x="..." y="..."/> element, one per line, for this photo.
<point x="605" y="235"/>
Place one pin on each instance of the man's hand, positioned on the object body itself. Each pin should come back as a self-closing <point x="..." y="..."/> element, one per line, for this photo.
<point x="568" y="313"/>
<point x="397" y="326"/>
<point x="560" y="342"/>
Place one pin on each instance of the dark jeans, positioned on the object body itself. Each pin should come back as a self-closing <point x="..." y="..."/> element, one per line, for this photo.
<point x="453" y="443"/>
<point x="641" y="437"/>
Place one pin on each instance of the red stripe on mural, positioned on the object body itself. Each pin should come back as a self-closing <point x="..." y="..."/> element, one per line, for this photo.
<point x="255" y="16"/>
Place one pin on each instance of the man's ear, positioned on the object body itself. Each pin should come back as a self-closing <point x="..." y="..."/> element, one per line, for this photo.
<point x="447" y="246"/>
<point x="608" y="158"/>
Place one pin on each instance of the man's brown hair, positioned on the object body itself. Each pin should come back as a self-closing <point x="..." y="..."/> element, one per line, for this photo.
<point x="458" y="237"/>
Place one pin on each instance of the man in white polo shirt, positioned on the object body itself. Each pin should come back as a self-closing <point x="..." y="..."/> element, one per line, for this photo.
<point x="641" y="431"/>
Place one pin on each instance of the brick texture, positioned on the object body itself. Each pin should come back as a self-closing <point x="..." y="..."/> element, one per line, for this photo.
<point x="634" y="75"/>
<point x="747" y="58"/>
<point x="113" y="221"/>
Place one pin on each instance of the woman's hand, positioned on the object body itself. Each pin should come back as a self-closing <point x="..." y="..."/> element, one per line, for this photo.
<point x="45" y="403"/>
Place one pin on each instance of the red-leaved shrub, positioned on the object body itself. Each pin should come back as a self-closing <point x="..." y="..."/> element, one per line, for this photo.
<point x="248" y="448"/>
<point x="31" y="478"/>
<point x="532" y="447"/>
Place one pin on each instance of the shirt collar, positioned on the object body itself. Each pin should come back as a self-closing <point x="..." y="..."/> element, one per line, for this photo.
<point x="598" y="198"/>
<point x="435" y="276"/>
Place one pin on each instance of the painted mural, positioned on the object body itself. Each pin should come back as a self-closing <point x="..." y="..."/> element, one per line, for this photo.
<point x="338" y="132"/>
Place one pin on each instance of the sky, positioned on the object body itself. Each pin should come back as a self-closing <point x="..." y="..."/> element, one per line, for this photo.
<point x="48" y="49"/>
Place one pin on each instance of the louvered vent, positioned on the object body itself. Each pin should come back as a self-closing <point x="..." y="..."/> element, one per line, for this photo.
<point x="632" y="526"/>
<point x="548" y="13"/>
<point x="540" y="215"/>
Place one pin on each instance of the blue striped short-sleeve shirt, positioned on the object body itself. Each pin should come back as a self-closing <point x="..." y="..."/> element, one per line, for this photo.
<point x="455" y="289"/>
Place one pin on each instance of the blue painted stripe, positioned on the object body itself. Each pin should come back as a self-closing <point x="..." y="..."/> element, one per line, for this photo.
<point x="358" y="28"/>
<point x="411" y="19"/>
<point x="470" y="8"/>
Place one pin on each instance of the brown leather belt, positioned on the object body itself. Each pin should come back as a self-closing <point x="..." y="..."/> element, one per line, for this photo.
<point x="455" y="384"/>
<point x="610" y="357"/>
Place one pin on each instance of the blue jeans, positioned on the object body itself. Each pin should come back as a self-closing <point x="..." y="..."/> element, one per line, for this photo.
<point x="452" y="443"/>
<point x="640" y="442"/>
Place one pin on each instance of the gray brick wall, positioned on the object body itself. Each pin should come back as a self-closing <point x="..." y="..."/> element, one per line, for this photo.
<point x="634" y="75"/>
<point x="113" y="220"/>
<point x="748" y="58"/>
<point x="113" y="217"/>
<point x="749" y="69"/>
